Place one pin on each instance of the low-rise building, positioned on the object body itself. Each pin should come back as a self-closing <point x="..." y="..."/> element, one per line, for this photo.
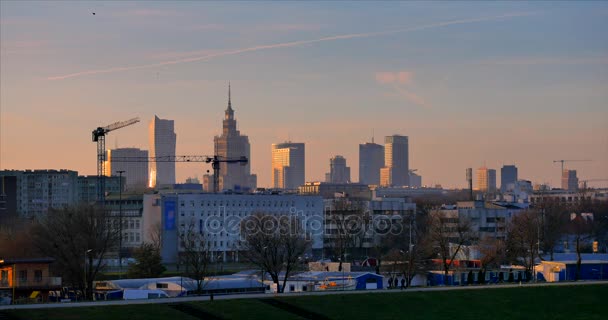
<point x="26" y="280"/>
<point x="217" y="218"/>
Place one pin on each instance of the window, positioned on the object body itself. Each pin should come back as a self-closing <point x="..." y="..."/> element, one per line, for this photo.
<point x="136" y="224"/>
<point x="292" y="288"/>
<point x="137" y="237"/>
<point x="131" y="224"/>
<point x="23" y="275"/>
<point x="38" y="275"/>
<point x="162" y="285"/>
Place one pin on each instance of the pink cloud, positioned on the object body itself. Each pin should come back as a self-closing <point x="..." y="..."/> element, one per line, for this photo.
<point x="149" y="13"/>
<point x="400" y="77"/>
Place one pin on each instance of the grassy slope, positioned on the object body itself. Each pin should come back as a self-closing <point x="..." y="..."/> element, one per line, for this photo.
<point x="563" y="302"/>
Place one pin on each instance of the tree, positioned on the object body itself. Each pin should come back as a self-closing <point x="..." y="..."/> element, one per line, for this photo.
<point x="492" y="251"/>
<point x="448" y="234"/>
<point x="196" y="253"/>
<point x="553" y="221"/>
<point x="410" y="246"/>
<point x="347" y="226"/>
<point x="155" y="232"/>
<point x="148" y="262"/>
<point x="274" y="244"/>
<point x="523" y="238"/>
<point x="15" y="239"/>
<point x="73" y="235"/>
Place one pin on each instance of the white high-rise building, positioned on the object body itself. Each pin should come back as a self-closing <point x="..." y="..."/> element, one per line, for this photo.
<point x="396" y="161"/>
<point x="288" y="165"/>
<point x="162" y="143"/>
<point x="135" y="173"/>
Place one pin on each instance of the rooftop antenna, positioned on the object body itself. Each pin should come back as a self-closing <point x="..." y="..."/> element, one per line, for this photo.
<point x="372" y="135"/>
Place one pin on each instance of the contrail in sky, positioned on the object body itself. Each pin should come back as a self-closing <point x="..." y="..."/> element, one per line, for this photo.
<point x="287" y="45"/>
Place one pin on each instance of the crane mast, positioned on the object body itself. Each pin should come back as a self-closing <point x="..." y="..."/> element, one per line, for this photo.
<point x="215" y="161"/>
<point x="99" y="136"/>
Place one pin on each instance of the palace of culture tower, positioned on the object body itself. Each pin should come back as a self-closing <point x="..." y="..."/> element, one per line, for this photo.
<point x="231" y="144"/>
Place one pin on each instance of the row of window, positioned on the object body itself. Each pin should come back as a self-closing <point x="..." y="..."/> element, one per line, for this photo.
<point x="131" y="237"/>
<point x="245" y="203"/>
<point x="22" y="276"/>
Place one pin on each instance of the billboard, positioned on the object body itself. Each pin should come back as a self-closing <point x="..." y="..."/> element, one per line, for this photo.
<point x="169" y="215"/>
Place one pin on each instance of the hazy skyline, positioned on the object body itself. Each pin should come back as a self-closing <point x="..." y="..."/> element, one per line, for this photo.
<point x="469" y="83"/>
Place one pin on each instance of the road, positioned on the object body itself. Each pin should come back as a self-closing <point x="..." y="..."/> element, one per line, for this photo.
<point x="266" y="295"/>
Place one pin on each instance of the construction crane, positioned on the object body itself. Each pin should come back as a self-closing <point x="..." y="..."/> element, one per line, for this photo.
<point x="562" y="161"/>
<point x="215" y="161"/>
<point x="584" y="182"/>
<point x="99" y="136"/>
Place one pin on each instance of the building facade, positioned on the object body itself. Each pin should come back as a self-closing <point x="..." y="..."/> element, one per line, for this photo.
<point x="332" y="190"/>
<point x="288" y="165"/>
<point x="371" y="160"/>
<point x="231" y="144"/>
<point x="338" y="171"/>
<point x="162" y="139"/>
<point x="34" y="192"/>
<point x="508" y="178"/>
<point x="486" y="180"/>
<point x="135" y="172"/>
<point x="396" y="161"/>
<point x="569" y="180"/>
<point x="88" y="187"/>
<point x="217" y="218"/>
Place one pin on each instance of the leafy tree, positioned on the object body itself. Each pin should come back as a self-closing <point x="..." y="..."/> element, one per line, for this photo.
<point x="148" y="262"/>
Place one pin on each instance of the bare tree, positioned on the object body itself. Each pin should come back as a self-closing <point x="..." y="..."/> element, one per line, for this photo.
<point x="155" y="232"/>
<point x="196" y="253"/>
<point x="15" y="239"/>
<point x="274" y="244"/>
<point x="448" y="234"/>
<point x="72" y="234"/>
<point x="523" y="238"/>
<point x="410" y="246"/>
<point x="347" y="225"/>
<point x="492" y="251"/>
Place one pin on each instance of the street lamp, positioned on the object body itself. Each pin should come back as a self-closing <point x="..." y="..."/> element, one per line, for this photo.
<point x="85" y="271"/>
<point x="120" y="172"/>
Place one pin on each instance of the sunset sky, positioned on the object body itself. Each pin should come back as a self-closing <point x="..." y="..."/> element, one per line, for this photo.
<point x="470" y="83"/>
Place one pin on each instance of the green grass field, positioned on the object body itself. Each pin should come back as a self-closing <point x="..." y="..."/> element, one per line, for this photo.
<point x="550" y="302"/>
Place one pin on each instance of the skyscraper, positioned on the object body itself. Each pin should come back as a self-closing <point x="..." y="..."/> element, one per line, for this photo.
<point x="486" y="180"/>
<point x="338" y="171"/>
<point x="162" y="143"/>
<point x="371" y="160"/>
<point x="135" y="173"/>
<point x="569" y="180"/>
<point x="231" y="144"/>
<point x="396" y="161"/>
<point x="508" y="175"/>
<point x="288" y="165"/>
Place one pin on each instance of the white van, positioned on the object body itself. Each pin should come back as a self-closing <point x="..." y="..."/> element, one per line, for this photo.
<point x="130" y="294"/>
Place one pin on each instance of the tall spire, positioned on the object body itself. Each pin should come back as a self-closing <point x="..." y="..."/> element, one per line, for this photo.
<point x="229" y="100"/>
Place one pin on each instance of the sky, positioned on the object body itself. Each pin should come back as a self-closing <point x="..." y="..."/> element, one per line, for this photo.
<point x="470" y="83"/>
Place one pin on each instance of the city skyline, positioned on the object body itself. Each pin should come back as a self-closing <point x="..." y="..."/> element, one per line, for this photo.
<point x="469" y="84"/>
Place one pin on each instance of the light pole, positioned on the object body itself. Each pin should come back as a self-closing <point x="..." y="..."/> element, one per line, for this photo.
<point x="120" y="172"/>
<point x="85" y="271"/>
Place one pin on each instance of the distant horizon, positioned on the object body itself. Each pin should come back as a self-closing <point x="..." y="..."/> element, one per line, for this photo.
<point x="470" y="84"/>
